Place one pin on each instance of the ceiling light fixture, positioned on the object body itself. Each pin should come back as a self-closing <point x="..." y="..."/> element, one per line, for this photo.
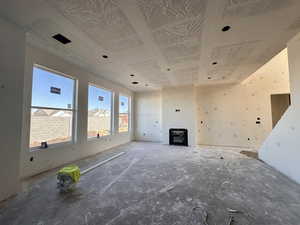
<point x="104" y="56"/>
<point x="226" y="28"/>
<point x="134" y="82"/>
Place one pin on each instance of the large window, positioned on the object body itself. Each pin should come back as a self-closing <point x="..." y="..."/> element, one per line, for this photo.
<point x="123" y="113"/>
<point x="99" y="112"/>
<point x="52" y="108"/>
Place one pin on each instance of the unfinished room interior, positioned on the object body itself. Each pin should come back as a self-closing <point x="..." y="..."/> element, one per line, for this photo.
<point x="150" y="112"/>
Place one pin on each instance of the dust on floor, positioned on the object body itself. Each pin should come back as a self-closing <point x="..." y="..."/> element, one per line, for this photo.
<point x="161" y="184"/>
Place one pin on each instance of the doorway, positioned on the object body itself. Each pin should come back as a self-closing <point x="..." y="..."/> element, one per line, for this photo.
<point x="279" y="104"/>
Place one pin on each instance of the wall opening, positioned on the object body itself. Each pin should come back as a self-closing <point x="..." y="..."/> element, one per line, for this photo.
<point x="279" y="104"/>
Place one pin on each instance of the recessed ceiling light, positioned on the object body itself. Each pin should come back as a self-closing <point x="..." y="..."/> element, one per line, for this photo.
<point x="209" y="78"/>
<point x="215" y="63"/>
<point x="168" y="69"/>
<point x="104" y="56"/>
<point x="134" y="82"/>
<point x="132" y="75"/>
<point x="226" y="28"/>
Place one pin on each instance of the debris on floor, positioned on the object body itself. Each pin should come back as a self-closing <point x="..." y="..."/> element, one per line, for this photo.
<point x="152" y="185"/>
<point x="250" y="154"/>
<point x="199" y="216"/>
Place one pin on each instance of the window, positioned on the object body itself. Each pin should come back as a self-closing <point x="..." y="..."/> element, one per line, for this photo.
<point x="52" y="108"/>
<point x="123" y="113"/>
<point x="99" y="112"/>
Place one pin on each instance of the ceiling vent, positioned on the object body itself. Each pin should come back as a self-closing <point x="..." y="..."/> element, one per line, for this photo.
<point x="62" y="39"/>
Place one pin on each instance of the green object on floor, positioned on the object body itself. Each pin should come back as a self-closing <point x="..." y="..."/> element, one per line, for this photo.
<point x="72" y="170"/>
<point x="67" y="178"/>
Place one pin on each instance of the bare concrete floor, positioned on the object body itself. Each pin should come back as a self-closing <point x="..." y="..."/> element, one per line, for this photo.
<point x="159" y="184"/>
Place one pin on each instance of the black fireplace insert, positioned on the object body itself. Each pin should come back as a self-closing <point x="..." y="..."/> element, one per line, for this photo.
<point x="178" y="136"/>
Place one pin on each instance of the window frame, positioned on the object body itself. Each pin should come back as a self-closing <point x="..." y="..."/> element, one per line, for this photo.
<point x="74" y="109"/>
<point x="129" y="114"/>
<point x="112" y="127"/>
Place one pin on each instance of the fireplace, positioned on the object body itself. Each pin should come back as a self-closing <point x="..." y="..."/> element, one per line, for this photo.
<point x="178" y="136"/>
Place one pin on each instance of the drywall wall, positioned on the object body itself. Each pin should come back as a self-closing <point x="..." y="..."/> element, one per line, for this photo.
<point x="12" y="52"/>
<point x="281" y="148"/>
<point x="179" y="111"/>
<point x="59" y="155"/>
<point x="148" y="116"/>
<point x="240" y="115"/>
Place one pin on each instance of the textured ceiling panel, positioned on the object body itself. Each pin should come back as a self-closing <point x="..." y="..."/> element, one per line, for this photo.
<point x="243" y="8"/>
<point x="145" y="37"/>
<point x="58" y="50"/>
<point x="295" y="25"/>
<point x="102" y="20"/>
<point x="159" y="80"/>
<point x="192" y="59"/>
<point x="233" y="54"/>
<point x="187" y="74"/>
<point x="184" y="49"/>
<point x="122" y="44"/>
<point x="161" y="12"/>
<point x="42" y="31"/>
<point x="152" y="71"/>
<point x="148" y="65"/>
<point x="221" y="73"/>
<point x="267" y="54"/>
<point x="170" y="34"/>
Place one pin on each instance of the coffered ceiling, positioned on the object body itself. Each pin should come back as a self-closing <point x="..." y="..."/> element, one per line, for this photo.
<point x="162" y="42"/>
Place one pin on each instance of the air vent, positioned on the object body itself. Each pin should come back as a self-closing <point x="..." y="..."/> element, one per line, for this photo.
<point x="62" y="39"/>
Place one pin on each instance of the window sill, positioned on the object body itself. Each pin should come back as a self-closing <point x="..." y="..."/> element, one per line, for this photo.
<point x="98" y="139"/>
<point x="52" y="146"/>
<point x="123" y="132"/>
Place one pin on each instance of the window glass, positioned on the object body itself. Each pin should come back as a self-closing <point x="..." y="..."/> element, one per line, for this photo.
<point x="99" y="112"/>
<point x="52" y="108"/>
<point x="123" y="113"/>
<point x="52" y="126"/>
<point x="52" y="90"/>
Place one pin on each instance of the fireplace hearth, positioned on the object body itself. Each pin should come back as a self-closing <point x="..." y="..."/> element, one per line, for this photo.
<point x="178" y="136"/>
